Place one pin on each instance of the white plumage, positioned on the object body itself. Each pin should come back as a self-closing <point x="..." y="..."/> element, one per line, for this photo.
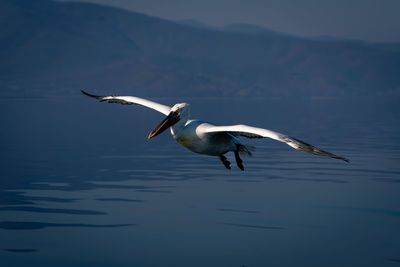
<point x="205" y="138"/>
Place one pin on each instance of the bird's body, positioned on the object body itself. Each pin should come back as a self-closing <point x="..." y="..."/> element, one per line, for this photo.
<point x="193" y="137"/>
<point x="205" y="138"/>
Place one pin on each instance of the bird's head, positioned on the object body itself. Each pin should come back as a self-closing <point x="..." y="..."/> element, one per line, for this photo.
<point x="179" y="115"/>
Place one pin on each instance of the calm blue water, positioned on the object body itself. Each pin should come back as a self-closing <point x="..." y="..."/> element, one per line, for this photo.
<point x="82" y="186"/>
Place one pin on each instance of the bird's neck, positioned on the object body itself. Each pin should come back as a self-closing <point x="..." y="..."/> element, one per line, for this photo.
<point x="178" y="126"/>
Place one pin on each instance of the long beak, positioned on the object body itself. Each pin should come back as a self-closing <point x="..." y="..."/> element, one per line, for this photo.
<point x="170" y="120"/>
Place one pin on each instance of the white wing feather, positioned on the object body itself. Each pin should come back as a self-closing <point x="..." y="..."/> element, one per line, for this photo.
<point x="253" y="132"/>
<point x="131" y="100"/>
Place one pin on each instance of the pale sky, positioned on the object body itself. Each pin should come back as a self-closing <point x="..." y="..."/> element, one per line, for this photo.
<point x="371" y="20"/>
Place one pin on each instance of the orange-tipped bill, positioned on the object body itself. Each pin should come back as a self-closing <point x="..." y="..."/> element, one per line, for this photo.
<point x="170" y="120"/>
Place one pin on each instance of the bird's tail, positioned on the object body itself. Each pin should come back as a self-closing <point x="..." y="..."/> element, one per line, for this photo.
<point x="245" y="150"/>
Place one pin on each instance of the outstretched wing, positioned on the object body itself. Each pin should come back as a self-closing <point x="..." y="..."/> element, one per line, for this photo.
<point x="253" y="132"/>
<point x="131" y="100"/>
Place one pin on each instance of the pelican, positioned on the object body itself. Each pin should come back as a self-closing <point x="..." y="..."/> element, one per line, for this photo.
<point x="205" y="138"/>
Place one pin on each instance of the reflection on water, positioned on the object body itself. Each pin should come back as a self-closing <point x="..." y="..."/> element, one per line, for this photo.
<point x="47" y="210"/>
<point x="255" y="226"/>
<point x="40" y="225"/>
<point x="119" y="199"/>
<point x="68" y="178"/>
<point x="237" y="210"/>
<point x="21" y="250"/>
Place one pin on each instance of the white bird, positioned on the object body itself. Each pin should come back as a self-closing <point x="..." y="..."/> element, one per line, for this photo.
<point x="205" y="138"/>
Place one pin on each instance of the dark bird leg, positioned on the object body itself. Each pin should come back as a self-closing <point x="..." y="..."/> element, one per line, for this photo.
<point x="225" y="161"/>
<point x="239" y="161"/>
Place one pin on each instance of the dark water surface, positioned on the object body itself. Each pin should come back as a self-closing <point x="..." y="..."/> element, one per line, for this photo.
<point x="81" y="185"/>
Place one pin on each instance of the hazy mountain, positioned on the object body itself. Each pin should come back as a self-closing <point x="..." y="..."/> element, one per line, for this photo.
<point x="59" y="47"/>
<point x="197" y="24"/>
<point x="251" y="29"/>
<point x="394" y="47"/>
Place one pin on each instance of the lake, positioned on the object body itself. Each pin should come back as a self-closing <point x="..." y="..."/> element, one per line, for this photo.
<point x="82" y="186"/>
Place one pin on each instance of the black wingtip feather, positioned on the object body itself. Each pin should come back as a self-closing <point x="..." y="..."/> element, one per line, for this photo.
<point x="90" y="95"/>
<point x="338" y="157"/>
<point x="303" y="146"/>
